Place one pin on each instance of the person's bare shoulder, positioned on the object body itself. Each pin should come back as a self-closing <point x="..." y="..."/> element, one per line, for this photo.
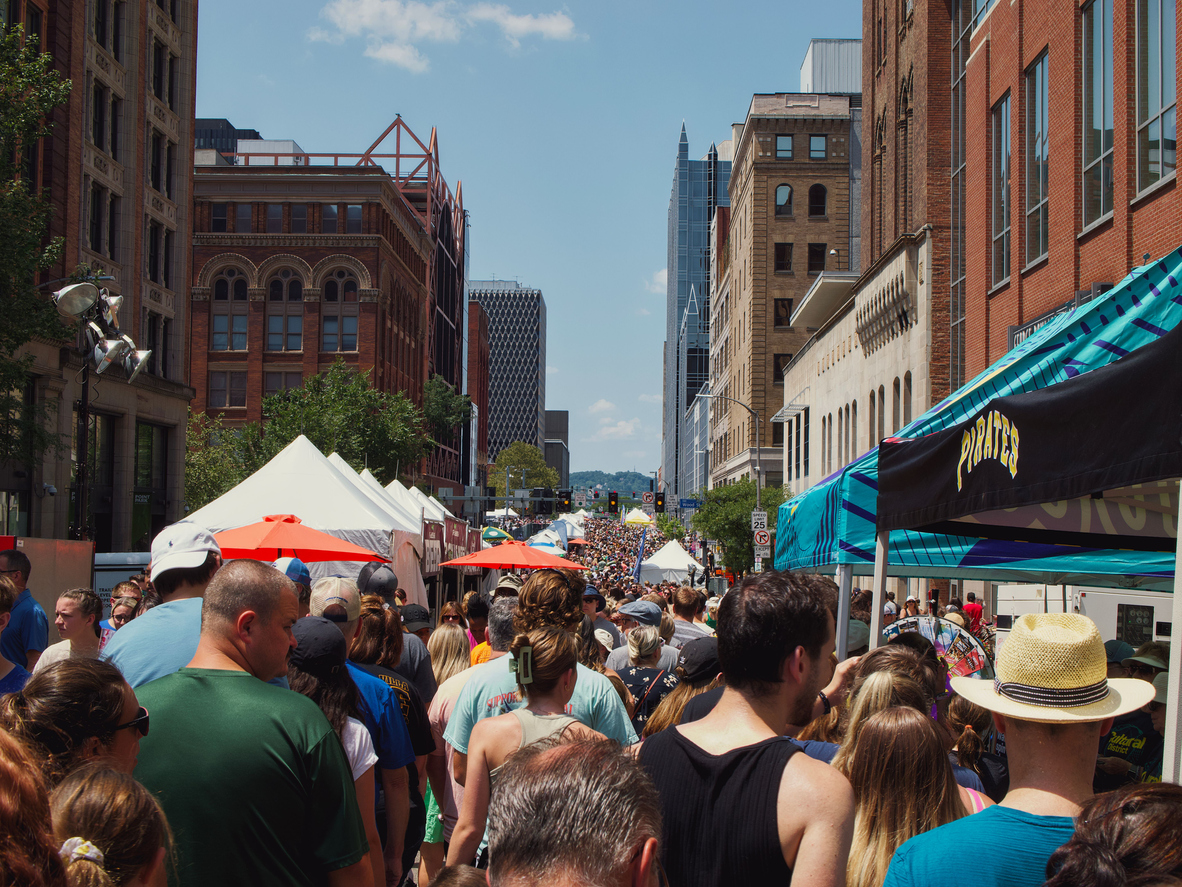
<point x="816" y="819"/>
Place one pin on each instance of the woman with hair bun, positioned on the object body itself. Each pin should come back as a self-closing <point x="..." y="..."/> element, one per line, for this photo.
<point x="111" y="830"/>
<point x="544" y="662"/>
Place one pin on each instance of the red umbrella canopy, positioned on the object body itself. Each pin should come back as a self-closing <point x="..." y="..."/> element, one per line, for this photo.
<point x="284" y="535"/>
<point x="512" y="554"/>
<point x="570" y="542"/>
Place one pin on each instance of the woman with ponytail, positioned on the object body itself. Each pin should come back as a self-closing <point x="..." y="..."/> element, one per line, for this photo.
<point x="544" y="663"/>
<point x="111" y="830"/>
<point x="972" y="727"/>
<point x="28" y="852"/>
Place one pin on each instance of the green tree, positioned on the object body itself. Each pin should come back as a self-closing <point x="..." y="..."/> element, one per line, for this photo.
<point x="218" y="458"/>
<point x="444" y="409"/>
<point x="521" y="457"/>
<point x="725" y="516"/>
<point x="670" y="526"/>
<point x="29" y="90"/>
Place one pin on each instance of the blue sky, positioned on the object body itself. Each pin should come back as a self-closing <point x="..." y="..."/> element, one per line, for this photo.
<point x="562" y="123"/>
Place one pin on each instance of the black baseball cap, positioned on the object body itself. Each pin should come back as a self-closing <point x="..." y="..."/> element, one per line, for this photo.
<point x="415" y="617"/>
<point x="699" y="659"/>
<point x="320" y="646"/>
<point x="378" y="579"/>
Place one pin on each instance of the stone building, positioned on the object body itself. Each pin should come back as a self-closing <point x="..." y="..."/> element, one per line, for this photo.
<point x="795" y="161"/>
<point x="116" y="171"/>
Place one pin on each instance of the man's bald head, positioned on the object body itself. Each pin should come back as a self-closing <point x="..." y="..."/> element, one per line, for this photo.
<point x="243" y="585"/>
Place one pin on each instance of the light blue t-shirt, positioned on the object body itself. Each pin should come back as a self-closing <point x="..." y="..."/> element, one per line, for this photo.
<point x="1010" y="849"/>
<point x="159" y="643"/>
<point x="492" y="691"/>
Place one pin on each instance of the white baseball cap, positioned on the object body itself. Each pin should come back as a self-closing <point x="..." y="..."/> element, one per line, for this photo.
<point x="181" y="546"/>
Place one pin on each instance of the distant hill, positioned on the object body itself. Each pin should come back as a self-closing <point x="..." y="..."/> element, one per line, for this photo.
<point x="622" y="481"/>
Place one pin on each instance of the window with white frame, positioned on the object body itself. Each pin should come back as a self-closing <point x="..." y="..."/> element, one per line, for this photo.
<point x="1000" y="191"/>
<point x="1097" y="111"/>
<point x="1036" y="160"/>
<point x="1157" y="105"/>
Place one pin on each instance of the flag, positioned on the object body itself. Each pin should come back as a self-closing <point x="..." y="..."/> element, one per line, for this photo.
<point x="640" y="555"/>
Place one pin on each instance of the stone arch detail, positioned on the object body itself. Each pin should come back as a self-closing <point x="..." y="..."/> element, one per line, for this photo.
<point x="324" y="266"/>
<point x="220" y="262"/>
<point x="276" y="263"/>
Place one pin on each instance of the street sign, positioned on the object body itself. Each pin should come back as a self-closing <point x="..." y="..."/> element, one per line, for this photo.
<point x="647" y="509"/>
<point x="691" y="503"/>
<point x="646" y="498"/>
<point x="580" y="501"/>
<point x="763" y="551"/>
<point x="762" y="538"/>
<point x="758" y="520"/>
<point x="759" y="565"/>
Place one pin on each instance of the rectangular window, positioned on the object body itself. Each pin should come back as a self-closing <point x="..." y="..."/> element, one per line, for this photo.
<point x="237" y="389"/>
<point x="96" y="218"/>
<point x="353" y="219"/>
<point x="217" y="389"/>
<point x="227" y="389"/>
<point x="238" y="332"/>
<point x="783" y="258"/>
<point x="174" y="81"/>
<point x="117" y="10"/>
<point x="349" y="332"/>
<point x="33" y="25"/>
<point x="276" y="382"/>
<point x="168" y="243"/>
<point x="1157" y="107"/>
<point x="1001" y="190"/>
<point x="328" y="219"/>
<point x="219" y="340"/>
<point x="1097" y="111"/>
<point x="116" y="110"/>
<point x="817" y="257"/>
<point x="330" y="333"/>
<point x="274" y="218"/>
<point x="818" y="147"/>
<point x="299" y="218"/>
<point x="154" y="232"/>
<point x="113" y="228"/>
<point x="783" y="313"/>
<point x="159" y="61"/>
<point x="156" y="152"/>
<point x="797" y="454"/>
<point x="98" y="123"/>
<point x="275" y="332"/>
<point x="163" y="354"/>
<point x="100" y="22"/>
<point x="805" y="445"/>
<point x="780" y="363"/>
<point x="295" y="332"/>
<point x="242" y="223"/>
<point x="1036" y="160"/>
<point x="217" y="221"/>
<point x="170" y="171"/>
<point x="777" y="434"/>
<point x="783" y="147"/>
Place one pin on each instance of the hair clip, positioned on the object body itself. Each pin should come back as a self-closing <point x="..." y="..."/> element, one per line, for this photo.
<point x="525" y="670"/>
<point x="79" y="848"/>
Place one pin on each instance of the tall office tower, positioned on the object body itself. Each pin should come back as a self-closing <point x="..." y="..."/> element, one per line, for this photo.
<point x="517" y="362"/>
<point x="219" y="134"/>
<point x="557" y="444"/>
<point x="699" y="188"/>
<point x="115" y="168"/>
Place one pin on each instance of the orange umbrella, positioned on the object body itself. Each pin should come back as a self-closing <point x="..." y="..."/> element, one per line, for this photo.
<point x="284" y="535"/>
<point x="570" y="542"/>
<point x="512" y="554"/>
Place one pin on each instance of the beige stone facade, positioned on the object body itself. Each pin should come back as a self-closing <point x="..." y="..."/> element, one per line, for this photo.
<point x="790" y="221"/>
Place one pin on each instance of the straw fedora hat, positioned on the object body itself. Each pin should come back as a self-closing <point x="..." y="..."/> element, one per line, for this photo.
<point x="1052" y="670"/>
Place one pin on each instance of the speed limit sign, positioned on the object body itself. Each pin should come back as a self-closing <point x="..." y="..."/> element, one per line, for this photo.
<point x="763" y="537"/>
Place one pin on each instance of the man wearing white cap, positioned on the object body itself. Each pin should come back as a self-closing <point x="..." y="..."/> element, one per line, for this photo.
<point x="163" y="640"/>
<point x="1053" y="701"/>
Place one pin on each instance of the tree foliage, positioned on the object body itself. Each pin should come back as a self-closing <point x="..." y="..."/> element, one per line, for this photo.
<point x="520" y="456"/>
<point x="444" y="409"/>
<point x="670" y="526"/>
<point x="725" y="516"/>
<point x="338" y="411"/>
<point x="29" y="90"/>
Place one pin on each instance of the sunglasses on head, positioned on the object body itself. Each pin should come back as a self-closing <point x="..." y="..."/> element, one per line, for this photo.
<point x="139" y="722"/>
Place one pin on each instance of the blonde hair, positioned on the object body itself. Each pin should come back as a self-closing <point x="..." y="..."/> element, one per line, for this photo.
<point x="450" y="651"/>
<point x="877" y="691"/>
<point x="643" y="644"/>
<point x="903" y="786"/>
<point x="667" y="626"/>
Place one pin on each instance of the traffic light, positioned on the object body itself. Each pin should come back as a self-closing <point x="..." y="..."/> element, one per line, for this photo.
<point x="659" y="503"/>
<point x="613" y="502"/>
<point x="564" y="500"/>
<point x="546" y="502"/>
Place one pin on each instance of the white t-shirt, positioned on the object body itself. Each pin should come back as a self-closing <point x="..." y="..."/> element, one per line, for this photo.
<point x="358" y="747"/>
<point x="60" y="652"/>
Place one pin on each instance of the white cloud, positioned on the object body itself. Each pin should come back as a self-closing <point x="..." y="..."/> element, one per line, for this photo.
<point x="601" y="406"/>
<point x="394" y="29"/>
<point x="551" y="26"/>
<point x="659" y="282"/>
<point x="551" y="370"/>
<point x="622" y="429"/>
<point x="650" y="398"/>
<point x="642" y="312"/>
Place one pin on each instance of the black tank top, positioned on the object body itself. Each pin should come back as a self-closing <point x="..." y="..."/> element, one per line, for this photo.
<point x="720" y="817"/>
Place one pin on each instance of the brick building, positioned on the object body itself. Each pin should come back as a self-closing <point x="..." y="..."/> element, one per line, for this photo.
<point x="1070" y="119"/>
<point x="299" y="265"/>
<point x="795" y="159"/>
<point x="115" y="171"/>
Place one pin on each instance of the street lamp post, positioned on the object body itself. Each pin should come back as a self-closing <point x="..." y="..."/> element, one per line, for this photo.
<point x="755" y="416"/>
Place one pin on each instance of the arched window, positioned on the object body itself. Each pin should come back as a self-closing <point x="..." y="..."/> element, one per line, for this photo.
<point x="338" y="330"/>
<point x="228" y="310"/>
<point x="285" y="312"/>
<point x="783" y="200"/>
<point x="817" y="200"/>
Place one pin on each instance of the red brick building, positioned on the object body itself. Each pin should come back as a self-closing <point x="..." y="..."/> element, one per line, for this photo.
<point x="301" y="260"/>
<point x="1070" y="157"/>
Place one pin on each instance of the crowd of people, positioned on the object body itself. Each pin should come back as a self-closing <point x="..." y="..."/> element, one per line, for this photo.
<point x="570" y="728"/>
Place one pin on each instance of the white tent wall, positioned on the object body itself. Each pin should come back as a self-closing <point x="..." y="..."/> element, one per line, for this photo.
<point x="671" y="563"/>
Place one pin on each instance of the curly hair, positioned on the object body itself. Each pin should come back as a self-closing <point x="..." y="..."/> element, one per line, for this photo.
<point x="550" y="597"/>
<point x="28" y="852"/>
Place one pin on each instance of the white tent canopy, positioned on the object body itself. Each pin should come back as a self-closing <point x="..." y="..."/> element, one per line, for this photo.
<point x="432" y="510"/>
<point x="501" y="512"/>
<point x="300" y="480"/>
<point x="636" y="516"/>
<point x="670" y="564"/>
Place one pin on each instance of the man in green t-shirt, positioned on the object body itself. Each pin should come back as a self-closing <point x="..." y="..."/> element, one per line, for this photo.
<point x="252" y="777"/>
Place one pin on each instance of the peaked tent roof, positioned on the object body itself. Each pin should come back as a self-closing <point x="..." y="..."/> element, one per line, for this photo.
<point x="636" y="516"/>
<point x="834" y="522"/>
<point x="412" y="515"/>
<point x="383" y="501"/>
<point x="670" y="562"/>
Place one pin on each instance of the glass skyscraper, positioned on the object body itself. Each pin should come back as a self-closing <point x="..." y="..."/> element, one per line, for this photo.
<point x="699" y="187"/>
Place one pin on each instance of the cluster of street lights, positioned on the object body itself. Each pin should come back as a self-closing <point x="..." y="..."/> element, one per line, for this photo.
<point x="101" y="343"/>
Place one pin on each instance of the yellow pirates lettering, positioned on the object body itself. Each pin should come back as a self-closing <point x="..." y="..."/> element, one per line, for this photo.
<point x="992" y="436"/>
